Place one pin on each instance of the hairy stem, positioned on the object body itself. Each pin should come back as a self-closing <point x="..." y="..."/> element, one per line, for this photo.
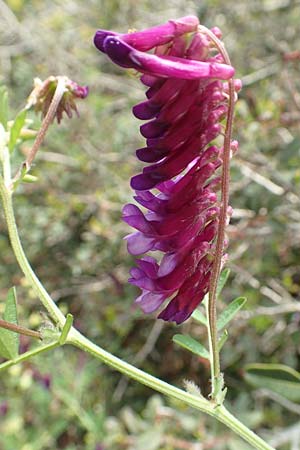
<point x="27" y="355"/>
<point x="198" y="402"/>
<point x="212" y="300"/>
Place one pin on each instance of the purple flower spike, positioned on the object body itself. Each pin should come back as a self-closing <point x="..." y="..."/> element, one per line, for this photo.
<point x="187" y="100"/>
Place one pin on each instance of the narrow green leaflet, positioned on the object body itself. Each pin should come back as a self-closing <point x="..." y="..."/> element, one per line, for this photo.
<point x="278" y="378"/>
<point x="222" y="339"/>
<point x="230" y="311"/>
<point x="3" y="106"/>
<point x="222" y="280"/>
<point x="29" y="178"/>
<point x="191" y="344"/>
<point x="9" y="341"/>
<point x="16" y="129"/>
<point x="199" y="317"/>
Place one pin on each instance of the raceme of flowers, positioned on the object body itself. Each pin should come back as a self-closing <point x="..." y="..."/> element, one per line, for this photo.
<point x="187" y="99"/>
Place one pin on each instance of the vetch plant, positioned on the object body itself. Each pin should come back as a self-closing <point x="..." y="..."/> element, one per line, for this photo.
<point x="187" y="100"/>
<point x="183" y="195"/>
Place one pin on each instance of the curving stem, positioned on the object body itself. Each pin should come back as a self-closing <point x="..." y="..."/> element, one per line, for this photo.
<point x="216" y="378"/>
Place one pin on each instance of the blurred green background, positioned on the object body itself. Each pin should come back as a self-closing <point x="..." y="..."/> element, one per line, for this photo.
<point x="71" y="229"/>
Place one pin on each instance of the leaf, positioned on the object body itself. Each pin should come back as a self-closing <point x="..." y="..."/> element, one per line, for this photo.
<point x="230" y="311"/>
<point x="222" y="280"/>
<point x="28" y="178"/>
<point x="9" y="341"/>
<point x="16" y="129"/>
<point x="199" y="317"/>
<point x="222" y="339"/>
<point x="276" y="377"/>
<point x="191" y="344"/>
<point x="3" y="106"/>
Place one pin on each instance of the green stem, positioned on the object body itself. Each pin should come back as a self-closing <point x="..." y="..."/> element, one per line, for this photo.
<point x="28" y="355"/>
<point x="200" y="403"/>
<point x="35" y="283"/>
<point x="210" y="345"/>
<point x="72" y="336"/>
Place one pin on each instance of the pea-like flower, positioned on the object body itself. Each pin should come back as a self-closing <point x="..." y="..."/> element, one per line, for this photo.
<point x="187" y="99"/>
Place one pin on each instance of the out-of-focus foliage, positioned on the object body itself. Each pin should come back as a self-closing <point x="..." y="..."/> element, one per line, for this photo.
<point x="71" y="228"/>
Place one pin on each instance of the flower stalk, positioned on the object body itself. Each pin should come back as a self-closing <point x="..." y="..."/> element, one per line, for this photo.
<point x="48" y="119"/>
<point x="216" y="269"/>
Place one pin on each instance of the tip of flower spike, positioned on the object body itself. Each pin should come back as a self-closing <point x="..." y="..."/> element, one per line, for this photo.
<point x="100" y="37"/>
<point x="118" y="51"/>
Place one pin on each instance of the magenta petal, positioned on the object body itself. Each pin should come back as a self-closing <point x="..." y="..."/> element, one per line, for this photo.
<point x="199" y="47"/>
<point x="143" y="283"/>
<point x="186" y="301"/>
<point x="150" y="80"/>
<point x="137" y="243"/>
<point x="161" y="34"/>
<point x="151" y="154"/>
<point x="151" y="202"/>
<point x="100" y="37"/>
<point x="168" y="263"/>
<point x="172" y="313"/>
<point x="150" y="301"/>
<point x="134" y="217"/>
<point x="178" y="68"/>
<point x="145" y="181"/>
<point x="119" y="52"/>
<point x="126" y="56"/>
<point x="145" y="110"/>
<point x="149" y="266"/>
<point x="153" y="129"/>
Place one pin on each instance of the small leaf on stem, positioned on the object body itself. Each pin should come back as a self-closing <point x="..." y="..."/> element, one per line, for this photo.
<point x="230" y="311"/>
<point x="276" y="377"/>
<point x="3" y="106"/>
<point x="222" y="281"/>
<point x="191" y="344"/>
<point x="9" y="341"/>
<point x="16" y="129"/>
<point x="222" y="339"/>
<point x="199" y="317"/>
<point x="29" y="178"/>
